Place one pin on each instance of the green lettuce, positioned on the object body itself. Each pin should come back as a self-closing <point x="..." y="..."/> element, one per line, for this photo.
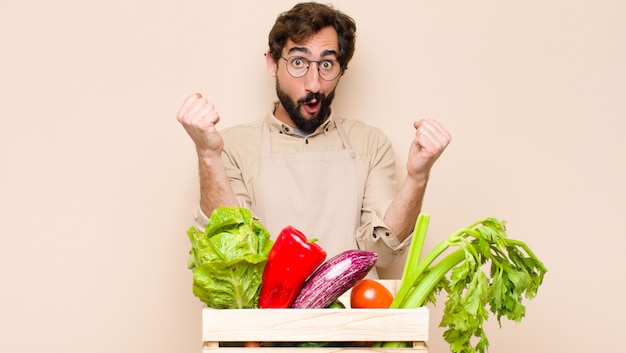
<point x="228" y="259"/>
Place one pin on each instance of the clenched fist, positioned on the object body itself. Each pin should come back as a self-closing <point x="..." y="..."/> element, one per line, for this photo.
<point x="431" y="139"/>
<point x="199" y="118"/>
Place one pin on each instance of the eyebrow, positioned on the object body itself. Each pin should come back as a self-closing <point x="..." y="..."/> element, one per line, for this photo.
<point x="305" y="50"/>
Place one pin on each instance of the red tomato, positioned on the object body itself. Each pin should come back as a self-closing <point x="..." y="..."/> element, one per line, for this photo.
<point x="368" y="293"/>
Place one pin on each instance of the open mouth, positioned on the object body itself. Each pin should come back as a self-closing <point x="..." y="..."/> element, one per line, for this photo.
<point x="312" y="106"/>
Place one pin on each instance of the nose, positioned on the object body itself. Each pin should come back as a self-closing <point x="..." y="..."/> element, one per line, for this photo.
<point x="312" y="78"/>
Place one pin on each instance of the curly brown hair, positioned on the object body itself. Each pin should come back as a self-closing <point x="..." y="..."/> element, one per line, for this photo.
<point x="306" y="19"/>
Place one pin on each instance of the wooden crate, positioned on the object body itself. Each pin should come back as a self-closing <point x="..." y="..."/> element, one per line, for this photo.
<point x="226" y="327"/>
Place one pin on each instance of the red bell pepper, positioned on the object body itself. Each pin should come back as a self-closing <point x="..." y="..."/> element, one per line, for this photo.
<point x="290" y="262"/>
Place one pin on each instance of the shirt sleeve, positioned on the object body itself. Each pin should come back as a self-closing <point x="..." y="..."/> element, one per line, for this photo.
<point x="200" y="219"/>
<point x="375" y="236"/>
<point x="241" y="162"/>
<point x="380" y="189"/>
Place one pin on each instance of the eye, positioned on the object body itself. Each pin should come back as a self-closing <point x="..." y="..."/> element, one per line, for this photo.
<point x="327" y="65"/>
<point x="298" y="62"/>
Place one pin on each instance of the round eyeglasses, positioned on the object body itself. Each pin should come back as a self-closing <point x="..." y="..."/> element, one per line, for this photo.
<point x="297" y="66"/>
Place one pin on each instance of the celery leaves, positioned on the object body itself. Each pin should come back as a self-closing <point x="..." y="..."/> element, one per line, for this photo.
<point x="489" y="272"/>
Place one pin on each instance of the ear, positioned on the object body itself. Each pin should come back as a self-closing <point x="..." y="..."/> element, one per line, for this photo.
<point x="272" y="66"/>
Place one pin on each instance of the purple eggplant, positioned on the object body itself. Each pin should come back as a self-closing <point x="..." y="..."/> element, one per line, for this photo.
<point x="333" y="278"/>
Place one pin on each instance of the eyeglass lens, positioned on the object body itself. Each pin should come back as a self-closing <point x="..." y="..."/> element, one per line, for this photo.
<point x="298" y="66"/>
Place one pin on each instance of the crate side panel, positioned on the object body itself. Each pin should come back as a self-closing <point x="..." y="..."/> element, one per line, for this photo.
<point x="315" y="325"/>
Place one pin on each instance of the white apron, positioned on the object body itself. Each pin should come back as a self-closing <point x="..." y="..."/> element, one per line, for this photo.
<point x="318" y="192"/>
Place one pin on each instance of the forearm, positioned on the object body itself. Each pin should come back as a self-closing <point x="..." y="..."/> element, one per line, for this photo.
<point x="215" y="189"/>
<point x="403" y="211"/>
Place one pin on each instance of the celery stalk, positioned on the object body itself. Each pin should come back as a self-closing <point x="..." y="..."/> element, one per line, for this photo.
<point x="417" y="243"/>
<point x="418" y="268"/>
<point x="408" y="284"/>
<point x="431" y="279"/>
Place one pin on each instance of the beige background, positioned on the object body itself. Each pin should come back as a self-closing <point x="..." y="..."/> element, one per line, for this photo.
<point x="98" y="180"/>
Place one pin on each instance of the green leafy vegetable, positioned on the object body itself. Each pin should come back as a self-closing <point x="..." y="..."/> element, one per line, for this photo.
<point x="228" y="259"/>
<point x="514" y="272"/>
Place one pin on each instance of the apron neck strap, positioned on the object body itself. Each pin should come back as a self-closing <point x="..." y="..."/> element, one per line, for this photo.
<point x="346" y="142"/>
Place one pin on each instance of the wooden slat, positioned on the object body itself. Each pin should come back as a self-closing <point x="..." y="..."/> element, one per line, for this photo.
<point x="315" y="325"/>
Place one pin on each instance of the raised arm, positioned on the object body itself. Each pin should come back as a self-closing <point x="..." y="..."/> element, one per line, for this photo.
<point x="199" y="119"/>
<point x="431" y="138"/>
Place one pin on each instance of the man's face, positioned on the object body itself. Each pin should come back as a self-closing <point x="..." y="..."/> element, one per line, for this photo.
<point x="305" y="101"/>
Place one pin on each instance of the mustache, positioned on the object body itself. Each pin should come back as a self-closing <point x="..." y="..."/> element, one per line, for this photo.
<point x="311" y="97"/>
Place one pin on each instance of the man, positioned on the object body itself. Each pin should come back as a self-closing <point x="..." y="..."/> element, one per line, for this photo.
<point x="302" y="165"/>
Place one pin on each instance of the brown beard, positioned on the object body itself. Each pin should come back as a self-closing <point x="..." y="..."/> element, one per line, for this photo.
<point x="293" y="109"/>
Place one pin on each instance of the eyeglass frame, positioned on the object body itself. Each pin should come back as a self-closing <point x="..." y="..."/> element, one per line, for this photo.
<point x="308" y="66"/>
